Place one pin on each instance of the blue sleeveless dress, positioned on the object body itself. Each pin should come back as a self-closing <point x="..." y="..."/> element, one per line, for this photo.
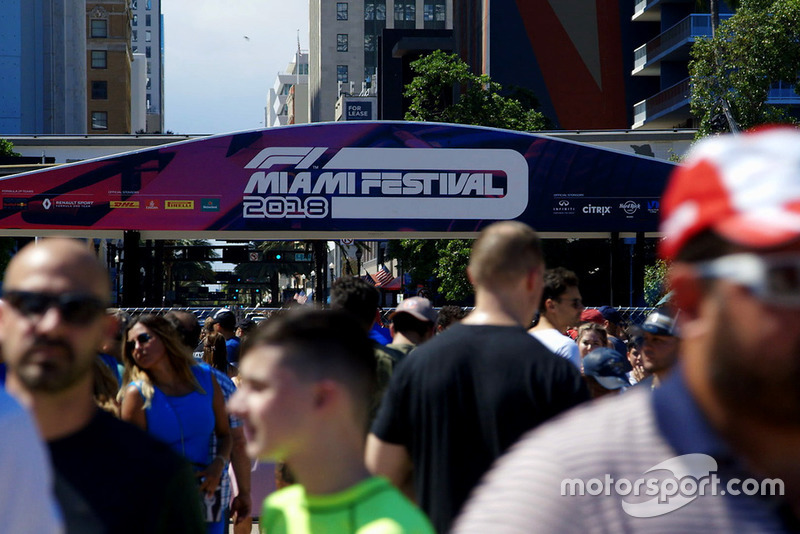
<point x="185" y="422"/>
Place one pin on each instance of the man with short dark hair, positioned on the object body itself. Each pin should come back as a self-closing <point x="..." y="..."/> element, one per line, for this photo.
<point x="560" y="309"/>
<point x="413" y="322"/>
<point x="225" y="324"/>
<point x="360" y="299"/>
<point x="716" y="447"/>
<point x="458" y="401"/>
<point x="110" y="476"/>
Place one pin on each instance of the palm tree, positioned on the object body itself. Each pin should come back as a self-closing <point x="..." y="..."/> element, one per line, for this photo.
<point x="178" y="269"/>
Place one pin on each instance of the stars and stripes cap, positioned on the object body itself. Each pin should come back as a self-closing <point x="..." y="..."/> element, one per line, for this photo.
<point x="745" y="188"/>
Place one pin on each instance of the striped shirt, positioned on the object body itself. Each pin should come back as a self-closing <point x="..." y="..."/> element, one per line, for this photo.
<point x="620" y="438"/>
<point x="228" y="389"/>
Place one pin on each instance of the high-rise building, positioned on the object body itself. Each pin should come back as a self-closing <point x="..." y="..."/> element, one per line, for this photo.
<point x="344" y="43"/>
<point x="147" y="37"/>
<point x="108" y="60"/>
<point x="287" y="102"/>
<point x="43" y="67"/>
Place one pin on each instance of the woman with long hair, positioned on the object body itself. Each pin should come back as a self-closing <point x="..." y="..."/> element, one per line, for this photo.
<point x="178" y="402"/>
<point x="215" y="353"/>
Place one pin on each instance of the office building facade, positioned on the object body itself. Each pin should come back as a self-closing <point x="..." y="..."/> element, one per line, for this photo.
<point x="108" y="60"/>
<point x="147" y="37"/>
<point x="344" y="44"/>
<point x="43" y="67"/>
<point x="287" y="102"/>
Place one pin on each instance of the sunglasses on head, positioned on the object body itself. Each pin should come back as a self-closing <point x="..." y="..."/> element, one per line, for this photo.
<point x="143" y="339"/>
<point x="771" y="279"/>
<point x="74" y="308"/>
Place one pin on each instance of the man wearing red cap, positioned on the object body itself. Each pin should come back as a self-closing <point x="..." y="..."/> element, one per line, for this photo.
<point x="715" y="448"/>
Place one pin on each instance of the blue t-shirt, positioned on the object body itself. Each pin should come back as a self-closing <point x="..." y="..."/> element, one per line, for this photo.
<point x="232" y="346"/>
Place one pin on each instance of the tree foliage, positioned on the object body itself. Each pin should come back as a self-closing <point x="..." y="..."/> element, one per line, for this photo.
<point x="439" y="264"/>
<point x="478" y="99"/>
<point x="7" y="149"/>
<point x="757" y="47"/>
<point x="655" y="282"/>
<point x="445" y="90"/>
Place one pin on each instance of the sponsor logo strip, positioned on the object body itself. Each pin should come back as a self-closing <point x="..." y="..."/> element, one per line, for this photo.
<point x="179" y="204"/>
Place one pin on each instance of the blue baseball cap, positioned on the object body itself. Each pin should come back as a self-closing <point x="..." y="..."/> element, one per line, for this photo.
<point x="608" y="367"/>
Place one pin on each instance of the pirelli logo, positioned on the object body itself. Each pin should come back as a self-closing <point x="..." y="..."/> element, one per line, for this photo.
<point x="179" y="204"/>
<point x="124" y="203"/>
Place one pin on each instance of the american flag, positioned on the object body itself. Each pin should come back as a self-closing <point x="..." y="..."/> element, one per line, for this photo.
<point x="383" y="276"/>
<point x="368" y="279"/>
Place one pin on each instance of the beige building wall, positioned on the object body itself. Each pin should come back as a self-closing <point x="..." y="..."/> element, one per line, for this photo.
<point x="108" y="67"/>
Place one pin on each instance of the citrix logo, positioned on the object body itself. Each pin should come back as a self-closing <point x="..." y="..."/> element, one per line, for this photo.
<point x="597" y="210"/>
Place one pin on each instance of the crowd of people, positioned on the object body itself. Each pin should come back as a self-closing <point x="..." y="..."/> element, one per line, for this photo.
<point x="451" y="422"/>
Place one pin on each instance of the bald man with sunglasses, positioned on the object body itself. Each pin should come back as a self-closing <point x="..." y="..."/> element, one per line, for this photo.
<point x="109" y="476"/>
<point x="723" y="428"/>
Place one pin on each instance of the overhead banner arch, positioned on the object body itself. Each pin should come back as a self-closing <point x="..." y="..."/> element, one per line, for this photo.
<point x="334" y="180"/>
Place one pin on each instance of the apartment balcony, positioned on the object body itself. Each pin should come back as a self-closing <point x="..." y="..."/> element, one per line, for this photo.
<point x="673" y="44"/>
<point x="666" y="109"/>
<point x="650" y="10"/>
<point x="670" y="107"/>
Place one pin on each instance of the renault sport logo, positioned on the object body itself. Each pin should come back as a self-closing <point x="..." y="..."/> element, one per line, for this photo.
<point x="386" y="183"/>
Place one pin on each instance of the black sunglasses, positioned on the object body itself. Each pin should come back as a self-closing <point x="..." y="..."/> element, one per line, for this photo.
<point x="74" y="308"/>
<point x="142" y="338"/>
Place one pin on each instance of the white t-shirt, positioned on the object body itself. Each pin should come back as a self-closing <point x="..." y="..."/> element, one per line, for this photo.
<point x="559" y="344"/>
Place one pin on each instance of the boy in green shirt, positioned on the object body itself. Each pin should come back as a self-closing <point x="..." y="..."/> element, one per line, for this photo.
<point x="306" y="384"/>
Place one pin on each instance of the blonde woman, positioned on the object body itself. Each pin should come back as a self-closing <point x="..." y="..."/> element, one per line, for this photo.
<point x="177" y="401"/>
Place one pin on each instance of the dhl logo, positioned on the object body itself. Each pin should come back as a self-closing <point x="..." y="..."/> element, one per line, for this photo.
<point x="124" y="203"/>
<point x="179" y="204"/>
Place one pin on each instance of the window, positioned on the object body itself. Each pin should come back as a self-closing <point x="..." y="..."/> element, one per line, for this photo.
<point x="147" y="51"/>
<point x="147" y="20"/>
<point x="148" y="5"/>
<point x="434" y="14"/>
<point x="99" y="120"/>
<point x="148" y="67"/>
<point x="341" y="42"/>
<point x="375" y="10"/>
<point x="148" y="36"/>
<point x="134" y="35"/>
<point x="134" y="49"/>
<point x="134" y="4"/>
<point x="341" y="74"/>
<point x="149" y="102"/>
<point x="405" y="13"/>
<point x="99" y="90"/>
<point x="135" y="21"/>
<point x="369" y="43"/>
<point x="99" y="59"/>
<point x="341" y="10"/>
<point x="99" y="28"/>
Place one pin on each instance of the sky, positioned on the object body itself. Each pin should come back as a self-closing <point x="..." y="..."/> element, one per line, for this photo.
<point x="222" y="56"/>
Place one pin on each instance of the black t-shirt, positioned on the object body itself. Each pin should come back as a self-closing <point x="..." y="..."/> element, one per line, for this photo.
<point x="111" y="477"/>
<point x="458" y="401"/>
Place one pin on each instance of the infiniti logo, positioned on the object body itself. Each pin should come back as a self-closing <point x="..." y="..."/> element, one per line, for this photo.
<point x="563" y="202"/>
